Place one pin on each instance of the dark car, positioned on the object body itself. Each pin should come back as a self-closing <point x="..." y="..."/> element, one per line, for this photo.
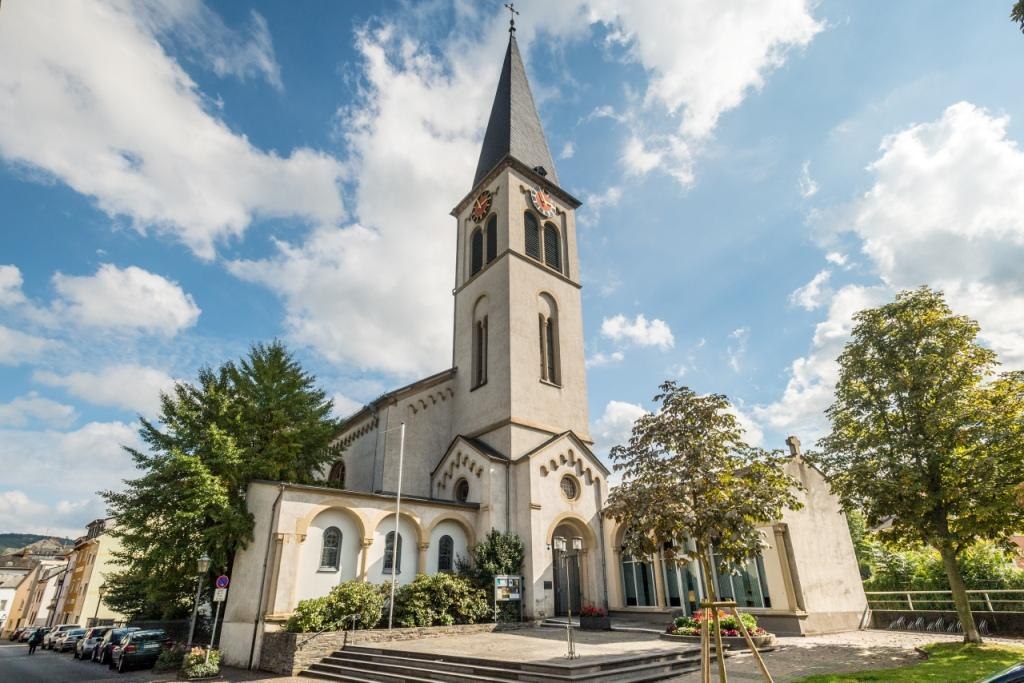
<point x="29" y="631"/>
<point x="140" y="649"/>
<point x="1015" y="674"/>
<point x="111" y="638"/>
<point x="67" y="640"/>
<point x="86" y="645"/>
<point x="16" y="633"/>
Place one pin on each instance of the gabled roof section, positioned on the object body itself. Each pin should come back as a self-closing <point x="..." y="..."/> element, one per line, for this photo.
<point x="476" y="444"/>
<point x="580" y="444"/>
<point x="514" y="128"/>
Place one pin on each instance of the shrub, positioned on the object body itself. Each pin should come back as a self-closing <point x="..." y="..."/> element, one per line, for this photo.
<point x="328" y="613"/>
<point x="170" y="659"/>
<point x="592" y="611"/>
<point x="195" y="665"/>
<point x="499" y="553"/>
<point x="440" y="600"/>
<point x="690" y="626"/>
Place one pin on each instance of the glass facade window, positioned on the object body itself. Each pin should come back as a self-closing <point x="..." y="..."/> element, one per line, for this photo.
<point x="638" y="582"/>
<point x="746" y="585"/>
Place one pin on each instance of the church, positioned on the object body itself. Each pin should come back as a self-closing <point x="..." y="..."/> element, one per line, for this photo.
<point x="501" y="441"/>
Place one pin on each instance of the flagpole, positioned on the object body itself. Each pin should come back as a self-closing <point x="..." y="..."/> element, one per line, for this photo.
<point x="398" y="512"/>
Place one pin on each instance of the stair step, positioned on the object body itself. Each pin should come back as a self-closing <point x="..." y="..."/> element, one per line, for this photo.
<point x="379" y="665"/>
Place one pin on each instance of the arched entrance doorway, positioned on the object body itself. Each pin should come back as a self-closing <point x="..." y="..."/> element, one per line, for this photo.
<point x="568" y="567"/>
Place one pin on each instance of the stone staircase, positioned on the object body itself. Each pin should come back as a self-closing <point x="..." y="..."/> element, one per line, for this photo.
<point x="366" y="664"/>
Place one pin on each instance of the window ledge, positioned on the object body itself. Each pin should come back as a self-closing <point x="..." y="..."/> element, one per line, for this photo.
<point x="327" y="570"/>
<point x="550" y="384"/>
<point x="482" y="384"/>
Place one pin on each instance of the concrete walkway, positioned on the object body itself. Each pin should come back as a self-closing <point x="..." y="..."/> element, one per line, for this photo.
<point x="797" y="658"/>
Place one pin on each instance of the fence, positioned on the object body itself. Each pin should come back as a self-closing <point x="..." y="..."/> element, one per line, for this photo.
<point x="985" y="600"/>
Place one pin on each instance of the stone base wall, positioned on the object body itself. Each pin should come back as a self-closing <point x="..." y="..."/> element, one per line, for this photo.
<point x="290" y="653"/>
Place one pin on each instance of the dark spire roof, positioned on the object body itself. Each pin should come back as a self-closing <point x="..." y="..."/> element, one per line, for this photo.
<point x="514" y="127"/>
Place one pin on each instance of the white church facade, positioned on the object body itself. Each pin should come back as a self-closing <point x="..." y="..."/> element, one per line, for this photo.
<point x="501" y="441"/>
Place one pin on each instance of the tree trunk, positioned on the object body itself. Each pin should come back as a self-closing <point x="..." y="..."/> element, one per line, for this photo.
<point x="959" y="590"/>
<point x="707" y="565"/>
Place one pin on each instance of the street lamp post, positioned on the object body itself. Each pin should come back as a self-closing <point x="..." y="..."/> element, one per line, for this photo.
<point x="559" y="544"/>
<point x="203" y="565"/>
<point x="99" y="600"/>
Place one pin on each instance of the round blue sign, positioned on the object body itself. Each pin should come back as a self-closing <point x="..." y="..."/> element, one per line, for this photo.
<point x="222" y="581"/>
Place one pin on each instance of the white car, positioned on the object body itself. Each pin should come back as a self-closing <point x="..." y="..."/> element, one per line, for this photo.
<point x="59" y="631"/>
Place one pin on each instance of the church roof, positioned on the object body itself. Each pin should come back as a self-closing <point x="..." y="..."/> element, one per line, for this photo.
<point x="514" y="128"/>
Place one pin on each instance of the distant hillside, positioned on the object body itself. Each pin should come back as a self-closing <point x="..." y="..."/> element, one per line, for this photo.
<point x="12" y="542"/>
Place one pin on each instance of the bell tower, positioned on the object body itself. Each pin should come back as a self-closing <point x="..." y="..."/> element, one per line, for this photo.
<point x="518" y="333"/>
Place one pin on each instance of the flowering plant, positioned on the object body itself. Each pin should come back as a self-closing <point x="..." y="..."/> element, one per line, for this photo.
<point x="728" y="624"/>
<point x="593" y="611"/>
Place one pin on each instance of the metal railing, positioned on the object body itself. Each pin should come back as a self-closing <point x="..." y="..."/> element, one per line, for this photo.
<point x="981" y="600"/>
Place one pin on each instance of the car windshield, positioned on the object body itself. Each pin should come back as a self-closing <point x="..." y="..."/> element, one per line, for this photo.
<point x="77" y="632"/>
<point x="148" y="635"/>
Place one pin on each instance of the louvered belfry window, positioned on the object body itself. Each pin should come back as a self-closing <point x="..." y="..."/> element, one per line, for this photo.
<point x="552" y="247"/>
<point x="492" y="238"/>
<point x="532" y="236"/>
<point x="477" y="252"/>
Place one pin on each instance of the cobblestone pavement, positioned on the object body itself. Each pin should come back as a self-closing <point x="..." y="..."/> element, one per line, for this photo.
<point x="795" y="658"/>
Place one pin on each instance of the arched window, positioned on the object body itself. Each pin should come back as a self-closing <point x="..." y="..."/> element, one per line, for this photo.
<point x="547" y="333"/>
<point x="330" y="552"/>
<point x="480" y="353"/>
<point x="461" y="491"/>
<point x="445" y="554"/>
<point x="552" y="247"/>
<point x="392" y="554"/>
<point x="477" y="250"/>
<point x="492" y="238"/>
<point x="532" y="236"/>
<point x="337" y="475"/>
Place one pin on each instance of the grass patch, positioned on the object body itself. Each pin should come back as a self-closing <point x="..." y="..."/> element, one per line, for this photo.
<point x="946" y="663"/>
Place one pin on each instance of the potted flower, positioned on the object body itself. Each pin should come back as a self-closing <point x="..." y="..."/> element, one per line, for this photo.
<point x="197" y="665"/>
<point x="687" y="629"/>
<point x="595" y="618"/>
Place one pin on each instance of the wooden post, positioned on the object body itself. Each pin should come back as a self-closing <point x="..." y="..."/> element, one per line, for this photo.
<point x="719" y="650"/>
<point x="750" y="644"/>
<point x="705" y="647"/>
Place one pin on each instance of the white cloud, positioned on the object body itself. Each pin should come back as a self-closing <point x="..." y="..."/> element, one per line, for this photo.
<point x="18" y="347"/>
<point x="801" y="409"/>
<point x="568" y="150"/>
<point x="638" y="331"/>
<point x="836" y="258"/>
<point x="90" y="97"/>
<point x="752" y="432"/>
<point x="808" y="186"/>
<point x="10" y="286"/>
<point x="32" y="407"/>
<point x="703" y="58"/>
<point x="814" y="294"/>
<point x="600" y="359"/>
<point x="615" y="425"/>
<point x="55" y="472"/>
<point x="127" y="386"/>
<point x="126" y="299"/>
<point x="344" y="406"/>
<point x="738" y="348"/>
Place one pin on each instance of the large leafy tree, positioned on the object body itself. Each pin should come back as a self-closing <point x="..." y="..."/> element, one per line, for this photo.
<point x="926" y="434"/>
<point x="688" y="474"/>
<point x="262" y="418"/>
<point x="1017" y="13"/>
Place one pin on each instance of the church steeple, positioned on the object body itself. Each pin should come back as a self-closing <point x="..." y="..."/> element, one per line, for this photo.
<point x="514" y="128"/>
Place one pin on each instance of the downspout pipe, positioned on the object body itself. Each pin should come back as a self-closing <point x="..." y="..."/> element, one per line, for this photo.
<point x="275" y="510"/>
<point x="604" y="561"/>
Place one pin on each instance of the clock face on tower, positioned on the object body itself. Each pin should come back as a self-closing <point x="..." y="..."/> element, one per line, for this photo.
<point x="542" y="202"/>
<point x="481" y="206"/>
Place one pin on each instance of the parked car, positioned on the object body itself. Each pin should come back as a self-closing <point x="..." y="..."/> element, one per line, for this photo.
<point x="1015" y="674"/>
<point x="111" y="638"/>
<point x="87" y="643"/>
<point x="60" y="630"/>
<point x="28" y="633"/>
<point x="66" y="642"/>
<point x="140" y="649"/>
<point x="16" y="634"/>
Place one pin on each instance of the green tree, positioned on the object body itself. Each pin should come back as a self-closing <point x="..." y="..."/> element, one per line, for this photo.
<point x="688" y="474"/>
<point x="263" y="418"/>
<point x="499" y="553"/>
<point x="926" y="434"/>
<point x="1017" y="14"/>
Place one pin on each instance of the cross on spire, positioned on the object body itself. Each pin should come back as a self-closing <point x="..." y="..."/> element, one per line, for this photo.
<point x="512" y="12"/>
<point x="794" y="446"/>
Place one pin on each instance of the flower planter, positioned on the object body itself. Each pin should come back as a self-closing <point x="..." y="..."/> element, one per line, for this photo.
<point x="596" y="623"/>
<point x="728" y="642"/>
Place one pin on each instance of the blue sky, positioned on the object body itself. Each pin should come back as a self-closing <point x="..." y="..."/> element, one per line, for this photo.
<point x="179" y="183"/>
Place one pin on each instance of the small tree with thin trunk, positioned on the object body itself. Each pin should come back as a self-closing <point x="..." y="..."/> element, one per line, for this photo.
<point x="925" y="434"/>
<point x="688" y="474"/>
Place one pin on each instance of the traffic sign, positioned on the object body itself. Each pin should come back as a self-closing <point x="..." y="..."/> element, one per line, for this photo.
<point x="222" y="581"/>
<point x="220" y="595"/>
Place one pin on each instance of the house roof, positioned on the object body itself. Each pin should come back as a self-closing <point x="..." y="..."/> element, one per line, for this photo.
<point x="514" y="128"/>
